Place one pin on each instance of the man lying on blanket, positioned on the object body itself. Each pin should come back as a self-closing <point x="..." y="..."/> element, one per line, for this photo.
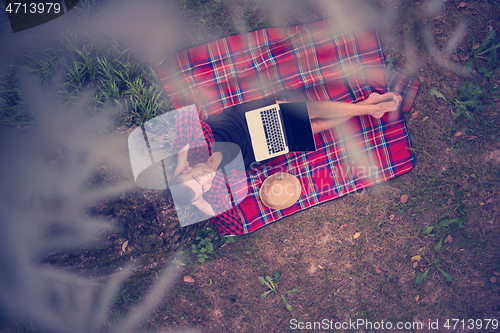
<point x="195" y="179"/>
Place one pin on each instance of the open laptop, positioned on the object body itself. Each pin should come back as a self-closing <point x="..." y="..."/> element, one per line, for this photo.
<point x="278" y="129"/>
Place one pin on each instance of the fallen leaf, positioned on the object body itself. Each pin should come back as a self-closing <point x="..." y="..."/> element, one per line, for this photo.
<point x="452" y="193"/>
<point x="477" y="45"/>
<point x="377" y="269"/>
<point x="356" y="235"/>
<point x="489" y="200"/>
<point x="425" y="118"/>
<point x="481" y="204"/>
<point x="496" y="273"/>
<point x="223" y="273"/>
<point x="417" y="257"/>
<point x="188" y="279"/>
<point x="476" y="274"/>
<point x="462" y="4"/>
<point x="449" y="239"/>
<point x="415" y="264"/>
<point x="493" y="279"/>
<point x="421" y="78"/>
<point x="417" y="298"/>
<point x="458" y="133"/>
<point x="124" y="245"/>
<point x="404" y="198"/>
<point x="391" y="217"/>
<point x="455" y="58"/>
<point x="414" y="115"/>
<point x="495" y="208"/>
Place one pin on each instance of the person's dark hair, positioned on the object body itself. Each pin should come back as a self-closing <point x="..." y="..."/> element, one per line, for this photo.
<point x="181" y="193"/>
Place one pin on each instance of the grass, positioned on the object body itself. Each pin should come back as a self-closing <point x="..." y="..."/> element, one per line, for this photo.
<point x="98" y="64"/>
<point x="398" y="269"/>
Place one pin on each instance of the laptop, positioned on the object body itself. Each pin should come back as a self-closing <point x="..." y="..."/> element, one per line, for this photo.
<point x="278" y="129"/>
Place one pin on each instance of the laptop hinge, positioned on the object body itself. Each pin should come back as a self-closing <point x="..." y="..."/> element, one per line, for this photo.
<point x="283" y="126"/>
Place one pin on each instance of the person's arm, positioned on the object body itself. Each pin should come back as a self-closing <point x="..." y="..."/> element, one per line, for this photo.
<point x="182" y="162"/>
<point x="191" y="133"/>
<point x="215" y="159"/>
<point x="204" y="206"/>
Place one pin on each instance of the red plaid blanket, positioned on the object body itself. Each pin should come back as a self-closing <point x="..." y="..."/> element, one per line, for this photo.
<point x="305" y="62"/>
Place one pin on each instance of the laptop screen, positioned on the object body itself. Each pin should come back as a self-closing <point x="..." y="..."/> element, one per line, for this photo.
<point x="297" y="125"/>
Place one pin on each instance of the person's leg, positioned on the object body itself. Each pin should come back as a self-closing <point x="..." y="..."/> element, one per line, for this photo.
<point x="322" y="124"/>
<point x="375" y="105"/>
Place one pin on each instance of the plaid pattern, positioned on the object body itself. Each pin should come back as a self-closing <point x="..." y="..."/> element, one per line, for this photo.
<point x="307" y="62"/>
<point x="187" y="129"/>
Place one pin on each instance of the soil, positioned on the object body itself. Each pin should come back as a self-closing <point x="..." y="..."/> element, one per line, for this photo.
<point x="341" y="277"/>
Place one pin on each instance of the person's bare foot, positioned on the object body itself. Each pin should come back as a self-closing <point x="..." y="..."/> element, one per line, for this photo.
<point x="388" y="102"/>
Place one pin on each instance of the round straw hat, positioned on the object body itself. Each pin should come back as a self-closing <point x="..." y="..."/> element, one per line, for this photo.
<point x="280" y="190"/>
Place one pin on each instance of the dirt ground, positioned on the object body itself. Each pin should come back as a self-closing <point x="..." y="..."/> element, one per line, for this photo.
<point x="357" y="257"/>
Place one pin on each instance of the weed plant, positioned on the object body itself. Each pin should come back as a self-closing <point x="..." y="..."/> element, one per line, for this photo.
<point x="101" y="65"/>
<point x="203" y="245"/>
<point x="272" y="284"/>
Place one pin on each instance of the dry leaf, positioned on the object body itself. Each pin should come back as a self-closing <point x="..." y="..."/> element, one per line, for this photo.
<point x="458" y="133"/>
<point x="421" y="78"/>
<point x="223" y="273"/>
<point x="377" y="269"/>
<point x="462" y="4"/>
<point x="495" y="208"/>
<point x="452" y="193"/>
<point x="417" y="298"/>
<point x="489" y="200"/>
<point x="403" y="199"/>
<point x="493" y="279"/>
<point x="455" y="58"/>
<point x="449" y="239"/>
<point x="391" y="217"/>
<point x="188" y="279"/>
<point x="496" y="273"/>
<point x="124" y="245"/>
<point x="476" y="274"/>
<point x="425" y="118"/>
<point x="414" y="115"/>
<point x="477" y="45"/>
<point x="417" y="257"/>
<point x="481" y="204"/>
<point x="415" y="264"/>
<point x="356" y="235"/>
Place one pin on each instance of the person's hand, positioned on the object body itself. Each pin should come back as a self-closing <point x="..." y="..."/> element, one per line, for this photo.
<point x="388" y="102"/>
<point x="182" y="166"/>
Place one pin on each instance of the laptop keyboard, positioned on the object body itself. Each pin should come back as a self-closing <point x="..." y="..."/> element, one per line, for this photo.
<point x="272" y="129"/>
